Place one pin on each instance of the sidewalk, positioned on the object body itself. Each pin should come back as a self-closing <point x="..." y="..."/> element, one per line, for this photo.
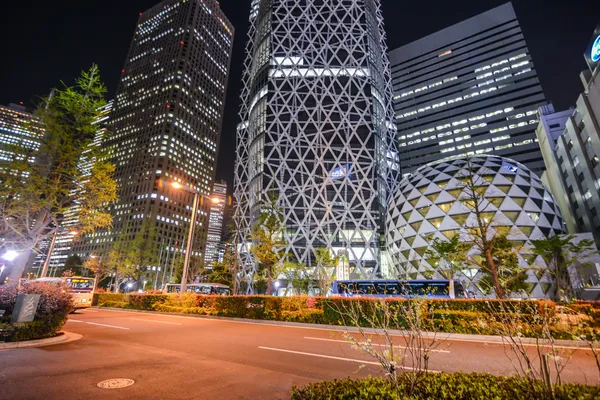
<point x="439" y="335"/>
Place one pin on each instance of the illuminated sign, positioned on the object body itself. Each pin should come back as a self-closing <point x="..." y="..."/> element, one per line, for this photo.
<point x="341" y="172"/>
<point x="595" y="53"/>
<point x="592" y="52"/>
<point x="510" y="168"/>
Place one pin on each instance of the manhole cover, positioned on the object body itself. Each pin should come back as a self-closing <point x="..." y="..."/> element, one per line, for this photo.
<point x="116" y="383"/>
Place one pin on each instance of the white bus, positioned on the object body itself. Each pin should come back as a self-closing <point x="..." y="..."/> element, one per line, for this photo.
<point x="80" y="288"/>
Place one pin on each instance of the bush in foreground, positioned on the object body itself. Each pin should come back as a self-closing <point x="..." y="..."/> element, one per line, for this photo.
<point x="442" y="387"/>
<point x="51" y="315"/>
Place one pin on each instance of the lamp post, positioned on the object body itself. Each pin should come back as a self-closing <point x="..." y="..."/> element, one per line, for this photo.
<point x="50" y="250"/>
<point x="188" y="249"/>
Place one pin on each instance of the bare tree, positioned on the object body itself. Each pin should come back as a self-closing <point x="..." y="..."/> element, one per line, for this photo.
<point x="395" y="333"/>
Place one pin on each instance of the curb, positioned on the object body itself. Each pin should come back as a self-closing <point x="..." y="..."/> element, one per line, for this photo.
<point x="438" y="335"/>
<point x="66" y="337"/>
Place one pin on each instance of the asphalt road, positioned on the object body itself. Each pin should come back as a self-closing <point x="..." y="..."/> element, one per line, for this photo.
<point x="175" y="357"/>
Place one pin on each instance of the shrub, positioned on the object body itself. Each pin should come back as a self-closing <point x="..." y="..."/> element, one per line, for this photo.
<point x="442" y="386"/>
<point x="51" y="315"/>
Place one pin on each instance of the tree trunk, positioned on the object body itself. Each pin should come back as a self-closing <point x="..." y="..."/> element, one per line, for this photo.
<point x="17" y="267"/>
<point x="489" y="259"/>
<point x="269" y="282"/>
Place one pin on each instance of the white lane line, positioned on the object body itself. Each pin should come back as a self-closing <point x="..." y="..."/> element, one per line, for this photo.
<point x="331" y="357"/>
<point x="374" y="344"/>
<point x="75" y="320"/>
<point x="158" y="322"/>
<point x="319" y="355"/>
<point x="107" y="326"/>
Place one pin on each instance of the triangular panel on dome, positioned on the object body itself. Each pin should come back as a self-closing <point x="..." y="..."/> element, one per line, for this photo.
<point x="423" y="201"/>
<point x="406" y="207"/>
<point x="420" y="242"/>
<point x="520" y="180"/>
<point x="510" y="205"/>
<point x="435" y="212"/>
<point x="500" y="180"/>
<point x="512" y="215"/>
<point x="416" y="225"/>
<point x="515" y="191"/>
<point x="534" y="193"/>
<point x="455" y="193"/>
<point x="414" y="193"/>
<point x="432" y="188"/>
<point x="427" y="227"/>
<point x="458" y="208"/>
<point x="525" y="219"/>
<point x="460" y="219"/>
<point x="516" y="234"/>
<point x="527" y="230"/>
<point x="436" y="222"/>
<point x="541" y="221"/>
<point x="450" y="233"/>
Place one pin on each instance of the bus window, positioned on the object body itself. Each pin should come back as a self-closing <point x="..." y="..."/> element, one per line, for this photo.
<point x="387" y="288"/>
<point x="366" y="288"/>
<point x="459" y="291"/>
<point x="204" y="289"/>
<point x="222" y="291"/>
<point x="424" y="289"/>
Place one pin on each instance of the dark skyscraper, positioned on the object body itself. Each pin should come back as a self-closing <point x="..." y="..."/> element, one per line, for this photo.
<point x="317" y="132"/>
<point x="468" y="89"/>
<point x="166" y="122"/>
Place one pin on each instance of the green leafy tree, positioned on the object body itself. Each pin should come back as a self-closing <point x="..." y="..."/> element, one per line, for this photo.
<point x="97" y="268"/>
<point x="49" y="182"/>
<point x="324" y="272"/>
<point x="74" y="264"/>
<point x="496" y="256"/>
<point x="117" y="259"/>
<point x="561" y="253"/>
<point x="141" y="253"/>
<point x="268" y="242"/>
<point x="448" y="256"/>
<point x="221" y="273"/>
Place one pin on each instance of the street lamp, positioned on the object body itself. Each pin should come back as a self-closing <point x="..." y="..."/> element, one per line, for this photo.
<point x="10" y="255"/>
<point x="197" y="195"/>
<point x="50" y="250"/>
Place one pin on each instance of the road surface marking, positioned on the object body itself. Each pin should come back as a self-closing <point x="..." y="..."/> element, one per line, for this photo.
<point x="331" y="357"/>
<point x="374" y="344"/>
<point x="85" y="310"/>
<point x="107" y="326"/>
<point x="153" y="320"/>
<point x="75" y="320"/>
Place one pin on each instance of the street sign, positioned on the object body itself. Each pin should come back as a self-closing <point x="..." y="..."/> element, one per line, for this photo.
<point x="25" y="307"/>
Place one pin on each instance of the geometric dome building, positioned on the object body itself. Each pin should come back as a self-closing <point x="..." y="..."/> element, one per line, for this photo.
<point x="427" y="205"/>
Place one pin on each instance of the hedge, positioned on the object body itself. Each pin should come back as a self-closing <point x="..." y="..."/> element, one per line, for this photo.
<point x="451" y="316"/>
<point x="442" y="386"/>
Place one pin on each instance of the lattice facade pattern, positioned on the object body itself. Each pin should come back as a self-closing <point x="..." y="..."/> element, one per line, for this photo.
<point x="317" y="128"/>
<point x="427" y="206"/>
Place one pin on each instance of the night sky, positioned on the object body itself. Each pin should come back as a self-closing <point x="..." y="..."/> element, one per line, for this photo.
<point x="44" y="42"/>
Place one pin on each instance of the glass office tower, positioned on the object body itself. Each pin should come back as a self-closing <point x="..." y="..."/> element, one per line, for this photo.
<point x="166" y="123"/>
<point x="471" y="88"/>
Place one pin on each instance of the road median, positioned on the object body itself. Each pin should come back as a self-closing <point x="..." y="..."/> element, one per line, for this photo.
<point x="62" y="338"/>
